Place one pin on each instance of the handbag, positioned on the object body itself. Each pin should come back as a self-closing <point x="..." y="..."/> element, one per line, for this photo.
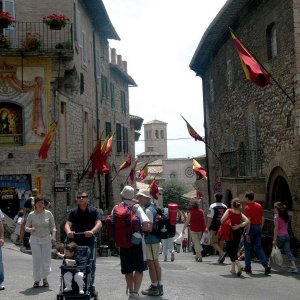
<point x="205" y="239"/>
<point x="225" y="230"/>
<point x="276" y="256"/>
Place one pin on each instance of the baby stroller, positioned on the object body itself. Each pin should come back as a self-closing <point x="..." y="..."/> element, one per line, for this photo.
<point x="83" y="255"/>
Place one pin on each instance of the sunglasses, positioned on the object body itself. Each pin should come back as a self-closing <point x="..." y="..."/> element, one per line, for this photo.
<point x="79" y="197"/>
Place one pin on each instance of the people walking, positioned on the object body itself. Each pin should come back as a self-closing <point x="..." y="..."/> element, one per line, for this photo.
<point x="184" y="244"/>
<point x="152" y="245"/>
<point x="132" y="257"/>
<point x="2" y="287"/>
<point x="281" y="236"/>
<point x="255" y="213"/>
<point x="40" y="223"/>
<point x="18" y="219"/>
<point x="196" y="221"/>
<point x="216" y="211"/>
<point x="237" y="220"/>
<point x="85" y="218"/>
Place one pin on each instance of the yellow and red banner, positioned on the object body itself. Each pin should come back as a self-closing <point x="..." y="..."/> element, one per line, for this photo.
<point x="199" y="170"/>
<point x="43" y="152"/>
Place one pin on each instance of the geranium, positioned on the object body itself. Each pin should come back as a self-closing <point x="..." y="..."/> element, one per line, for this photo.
<point x="6" y="19"/>
<point x="32" y="41"/>
<point x="56" y="20"/>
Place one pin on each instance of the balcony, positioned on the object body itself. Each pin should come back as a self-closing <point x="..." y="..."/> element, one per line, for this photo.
<point x="52" y="42"/>
<point x="240" y="164"/>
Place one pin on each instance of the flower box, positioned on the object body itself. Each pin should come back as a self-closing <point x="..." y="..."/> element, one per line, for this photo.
<point x="6" y="19"/>
<point x="56" y="22"/>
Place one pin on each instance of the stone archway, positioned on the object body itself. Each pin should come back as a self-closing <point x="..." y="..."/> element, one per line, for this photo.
<point x="279" y="190"/>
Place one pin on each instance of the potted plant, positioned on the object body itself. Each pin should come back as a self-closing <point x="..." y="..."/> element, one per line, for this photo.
<point x="56" y="22"/>
<point x="6" y="19"/>
<point x="32" y="41"/>
<point x="4" y="41"/>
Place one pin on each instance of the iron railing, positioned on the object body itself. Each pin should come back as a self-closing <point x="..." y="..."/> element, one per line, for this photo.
<point x="50" y="39"/>
<point x="246" y="163"/>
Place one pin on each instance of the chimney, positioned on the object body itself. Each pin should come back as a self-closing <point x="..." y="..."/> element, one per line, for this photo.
<point x="119" y="61"/>
<point x="113" y="56"/>
<point x="125" y="66"/>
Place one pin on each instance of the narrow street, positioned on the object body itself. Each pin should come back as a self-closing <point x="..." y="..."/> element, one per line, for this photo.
<point x="182" y="279"/>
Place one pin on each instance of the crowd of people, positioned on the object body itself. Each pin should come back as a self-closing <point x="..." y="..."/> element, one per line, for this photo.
<point x="246" y="230"/>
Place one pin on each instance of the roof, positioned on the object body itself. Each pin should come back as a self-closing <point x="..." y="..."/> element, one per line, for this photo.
<point x="155" y="122"/>
<point x="100" y="18"/>
<point x="149" y="153"/>
<point x="157" y="162"/>
<point x="124" y="75"/>
<point x="216" y="33"/>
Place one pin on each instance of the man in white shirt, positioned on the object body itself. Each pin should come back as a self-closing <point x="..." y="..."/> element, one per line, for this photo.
<point x="2" y="287"/>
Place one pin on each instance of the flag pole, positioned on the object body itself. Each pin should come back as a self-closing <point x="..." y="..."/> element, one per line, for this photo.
<point x="272" y="77"/>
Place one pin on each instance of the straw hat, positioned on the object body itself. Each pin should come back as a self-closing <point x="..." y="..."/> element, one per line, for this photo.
<point x="144" y="193"/>
<point x="127" y="192"/>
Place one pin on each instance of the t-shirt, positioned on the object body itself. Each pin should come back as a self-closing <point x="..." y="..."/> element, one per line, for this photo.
<point x="197" y="220"/>
<point x="216" y="211"/>
<point x="1" y="216"/>
<point x="83" y="220"/>
<point x="42" y="222"/>
<point x="255" y="212"/>
<point x="282" y="226"/>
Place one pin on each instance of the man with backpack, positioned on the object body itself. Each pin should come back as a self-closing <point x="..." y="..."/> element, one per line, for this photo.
<point x="124" y="225"/>
<point x="152" y="244"/>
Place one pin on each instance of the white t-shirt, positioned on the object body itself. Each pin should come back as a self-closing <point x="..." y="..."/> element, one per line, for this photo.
<point x="1" y="216"/>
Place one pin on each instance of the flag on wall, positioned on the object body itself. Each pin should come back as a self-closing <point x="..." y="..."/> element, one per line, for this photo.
<point x="43" y="152"/>
<point x="192" y="131"/>
<point x="252" y="68"/>
<point x="125" y="164"/>
<point x="132" y="172"/>
<point x="199" y="170"/>
<point x="143" y="172"/>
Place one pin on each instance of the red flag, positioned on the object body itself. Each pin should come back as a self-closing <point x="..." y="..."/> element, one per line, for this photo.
<point x="125" y="164"/>
<point x="94" y="158"/>
<point x="252" y="68"/>
<point x="132" y="172"/>
<point x="43" y="152"/>
<point x="154" y="192"/>
<point x="199" y="170"/>
<point x="192" y="131"/>
<point x="143" y="172"/>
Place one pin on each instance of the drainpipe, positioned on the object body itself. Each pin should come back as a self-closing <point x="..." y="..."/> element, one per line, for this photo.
<point x="97" y="110"/>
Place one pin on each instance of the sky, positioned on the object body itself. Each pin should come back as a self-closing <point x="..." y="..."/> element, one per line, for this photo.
<point x="158" y="41"/>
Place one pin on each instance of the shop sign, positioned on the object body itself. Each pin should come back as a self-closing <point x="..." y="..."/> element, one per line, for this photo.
<point x="59" y="186"/>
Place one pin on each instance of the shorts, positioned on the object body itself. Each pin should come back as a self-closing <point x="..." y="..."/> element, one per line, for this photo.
<point x="196" y="238"/>
<point x="152" y="251"/>
<point x="132" y="259"/>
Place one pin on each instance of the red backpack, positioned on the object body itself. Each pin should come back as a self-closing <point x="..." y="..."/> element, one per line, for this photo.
<point x="121" y="224"/>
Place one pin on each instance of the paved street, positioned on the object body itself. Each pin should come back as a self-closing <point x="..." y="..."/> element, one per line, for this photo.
<point x="182" y="279"/>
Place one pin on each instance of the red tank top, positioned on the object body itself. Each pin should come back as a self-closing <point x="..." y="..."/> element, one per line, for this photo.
<point x="235" y="219"/>
<point x="197" y="220"/>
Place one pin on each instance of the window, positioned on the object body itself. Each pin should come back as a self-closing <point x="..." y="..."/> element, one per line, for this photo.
<point x="211" y="90"/>
<point x="229" y="73"/>
<point x="112" y="95"/>
<point x="156" y="134"/>
<point x="63" y="131"/>
<point x="252" y="144"/>
<point x="84" y="48"/>
<point x="123" y="102"/>
<point x="125" y="139"/>
<point x="104" y="86"/>
<point x="119" y="137"/>
<point x="149" y="149"/>
<point x="271" y="41"/>
<point x="162" y="134"/>
<point x="297" y="125"/>
<point x="85" y="137"/>
<point x="78" y="26"/>
<point x="9" y="6"/>
<point x="107" y="128"/>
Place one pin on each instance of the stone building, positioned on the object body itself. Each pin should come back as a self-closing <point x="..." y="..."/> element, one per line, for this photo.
<point x="255" y="131"/>
<point x="74" y="78"/>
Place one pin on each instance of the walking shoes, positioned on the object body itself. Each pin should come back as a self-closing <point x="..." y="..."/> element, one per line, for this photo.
<point x="151" y="291"/>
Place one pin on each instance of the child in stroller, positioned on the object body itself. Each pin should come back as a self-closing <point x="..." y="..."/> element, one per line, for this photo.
<point x="75" y="271"/>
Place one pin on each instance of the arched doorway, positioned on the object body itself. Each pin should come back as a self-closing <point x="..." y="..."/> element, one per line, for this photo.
<point x="228" y="198"/>
<point x="279" y="190"/>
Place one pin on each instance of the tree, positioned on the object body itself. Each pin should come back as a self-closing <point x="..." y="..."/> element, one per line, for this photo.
<point x="173" y="191"/>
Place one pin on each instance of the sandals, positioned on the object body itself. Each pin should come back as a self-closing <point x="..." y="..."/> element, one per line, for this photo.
<point x="232" y="272"/>
<point x="45" y="283"/>
<point x="199" y="259"/>
<point x="239" y="272"/>
<point x="36" y="284"/>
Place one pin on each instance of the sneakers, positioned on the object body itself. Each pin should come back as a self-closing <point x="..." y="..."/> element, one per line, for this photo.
<point x="267" y="270"/>
<point x="133" y="296"/>
<point x="2" y="287"/>
<point x="161" y="289"/>
<point x="151" y="291"/>
<point x="81" y="292"/>
<point x="293" y="270"/>
<point x="172" y="256"/>
<point x="222" y="258"/>
<point x="68" y="289"/>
